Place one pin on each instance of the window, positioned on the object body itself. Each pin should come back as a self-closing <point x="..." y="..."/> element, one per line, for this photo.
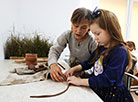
<point x="133" y="35"/>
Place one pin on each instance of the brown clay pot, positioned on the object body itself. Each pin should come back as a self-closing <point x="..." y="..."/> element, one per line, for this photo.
<point x="30" y="59"/>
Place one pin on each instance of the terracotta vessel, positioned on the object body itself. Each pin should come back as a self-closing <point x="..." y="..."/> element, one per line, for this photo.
<point x="30" y="59"/>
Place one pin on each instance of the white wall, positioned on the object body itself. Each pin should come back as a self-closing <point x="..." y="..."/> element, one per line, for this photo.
<point x="48" y="17"/>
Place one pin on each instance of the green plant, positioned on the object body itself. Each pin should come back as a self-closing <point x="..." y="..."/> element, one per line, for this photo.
<point x="18" y="46"/>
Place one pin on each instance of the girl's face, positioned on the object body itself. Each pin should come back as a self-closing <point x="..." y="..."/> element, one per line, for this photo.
<point x="80" y="31"/>
<point x="102" y="36"/>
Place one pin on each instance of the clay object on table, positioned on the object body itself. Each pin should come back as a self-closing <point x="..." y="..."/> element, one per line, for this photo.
<point x="31" y="59"/>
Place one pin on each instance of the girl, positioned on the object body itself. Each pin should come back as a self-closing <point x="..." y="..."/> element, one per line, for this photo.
<point x="80" y="43"/>
<point x="108" y="62"/>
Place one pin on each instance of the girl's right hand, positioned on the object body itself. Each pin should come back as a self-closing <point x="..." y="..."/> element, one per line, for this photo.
<point x="70" y="72"/>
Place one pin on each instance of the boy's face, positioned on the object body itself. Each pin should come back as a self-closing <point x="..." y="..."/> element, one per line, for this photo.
<point x="80" y="31"/>
<point x="102" y="36"/>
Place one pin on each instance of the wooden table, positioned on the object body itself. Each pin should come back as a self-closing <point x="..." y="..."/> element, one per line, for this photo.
<point x="22" y="92"/>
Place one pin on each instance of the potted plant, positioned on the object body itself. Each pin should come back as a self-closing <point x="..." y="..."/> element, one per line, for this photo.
<point x="17" y="45"/>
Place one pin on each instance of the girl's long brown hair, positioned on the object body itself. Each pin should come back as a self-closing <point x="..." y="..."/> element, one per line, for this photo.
<point x="108" y="21"/>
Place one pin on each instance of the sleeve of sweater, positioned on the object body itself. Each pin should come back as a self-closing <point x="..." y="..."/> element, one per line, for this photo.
<point x="58" y="47"/>
<point x="114" y="70"/>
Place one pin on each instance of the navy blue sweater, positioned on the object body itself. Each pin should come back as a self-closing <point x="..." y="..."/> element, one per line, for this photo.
<point x="114" y="65"/>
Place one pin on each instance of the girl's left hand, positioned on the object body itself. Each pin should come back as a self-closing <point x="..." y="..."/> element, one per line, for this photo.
<point x="77" y="81"/>
<point x="74" y="80"/>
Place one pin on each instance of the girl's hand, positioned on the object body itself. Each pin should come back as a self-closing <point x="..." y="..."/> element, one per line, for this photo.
<point x="72" y="70"/>
<point x="74" y="80"/>
<point x="77" y="81"/>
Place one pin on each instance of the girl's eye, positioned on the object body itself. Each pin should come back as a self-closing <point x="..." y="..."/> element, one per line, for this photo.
<point x="97" y="33"/>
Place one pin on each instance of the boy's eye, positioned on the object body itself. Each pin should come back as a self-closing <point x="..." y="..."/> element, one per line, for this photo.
<point x="76" y="26"/>
<point x="84" y="27"/>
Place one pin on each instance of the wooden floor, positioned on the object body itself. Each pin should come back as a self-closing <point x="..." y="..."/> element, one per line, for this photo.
<point x="135" y="97"/>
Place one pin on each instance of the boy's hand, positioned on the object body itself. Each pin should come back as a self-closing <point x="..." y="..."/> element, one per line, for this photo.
<point x="56" y="73"/>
